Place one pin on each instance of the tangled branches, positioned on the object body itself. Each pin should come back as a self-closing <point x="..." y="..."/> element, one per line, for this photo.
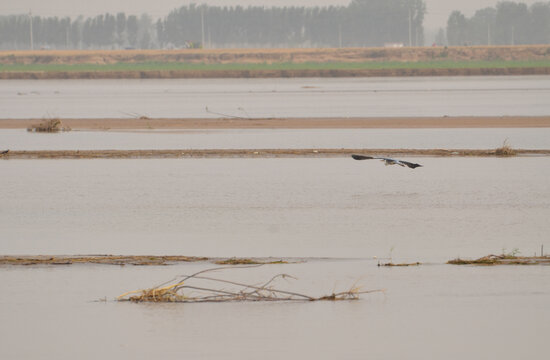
<point x="188" y="289"/>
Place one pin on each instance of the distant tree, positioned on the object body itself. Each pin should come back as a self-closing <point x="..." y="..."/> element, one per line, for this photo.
<point x="120" y="28"/>
<point x="132" y="30"/>
<point x="511" y="23"/>
<point x="441" y="37"/>
<point x="481" y="27"/>
<point x="540" y="23"/>
<point x="456" y="29"/>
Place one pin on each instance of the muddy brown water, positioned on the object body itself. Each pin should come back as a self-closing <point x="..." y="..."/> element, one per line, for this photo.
<point x="275" y="207"/>
<point x="329" y="208"/>
<point x="435" y="311"/>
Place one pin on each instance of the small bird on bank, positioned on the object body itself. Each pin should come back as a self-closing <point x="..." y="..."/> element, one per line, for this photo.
<point x="387" y="161"/>
<point x="4" y="152"/>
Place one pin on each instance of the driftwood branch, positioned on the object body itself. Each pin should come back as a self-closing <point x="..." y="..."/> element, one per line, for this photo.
<point x="174" y="291"/>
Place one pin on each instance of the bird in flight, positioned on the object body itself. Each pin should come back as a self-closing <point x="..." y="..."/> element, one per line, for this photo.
<point x="387" y="161"/>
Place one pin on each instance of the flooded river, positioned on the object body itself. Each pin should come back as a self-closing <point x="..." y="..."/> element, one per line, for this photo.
<point x="267" y="98"/>
<point x="430" y="311"/>
<point x="321" y="207"/>
<point x="339" y="215"/>
<point x="334" y="207"/>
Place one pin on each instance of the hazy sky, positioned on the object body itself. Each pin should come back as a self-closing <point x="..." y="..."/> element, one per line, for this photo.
<point x="438" y="10"/>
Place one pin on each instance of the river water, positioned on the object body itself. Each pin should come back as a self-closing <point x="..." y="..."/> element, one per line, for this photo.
<point x="265" y="98"/>
<point x="340" y="216"/>
<point x="334" y="207"/>
<point x="531" y="138"/>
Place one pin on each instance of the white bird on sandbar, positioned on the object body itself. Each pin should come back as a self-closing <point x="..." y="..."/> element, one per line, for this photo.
<point x="387" y="161"/>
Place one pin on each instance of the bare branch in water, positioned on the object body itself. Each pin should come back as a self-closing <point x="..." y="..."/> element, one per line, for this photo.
<point x="173" y="291"/>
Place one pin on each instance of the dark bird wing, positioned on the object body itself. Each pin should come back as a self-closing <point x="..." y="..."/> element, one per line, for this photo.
<point x="410" y="164"/>
<point x="388" y="160"/>
<point x="362" y="157"/>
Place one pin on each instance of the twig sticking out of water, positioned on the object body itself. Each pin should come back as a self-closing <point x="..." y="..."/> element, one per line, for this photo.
<point x="195" y="288"/>
<point x="226" y="115"/>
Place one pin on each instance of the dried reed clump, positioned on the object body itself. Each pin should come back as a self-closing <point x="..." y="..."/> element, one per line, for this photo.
<point x="50" y="126"/>
<point x="505" y="150"/>
<point x="197" y="288"/>
<point x="504" y="259"/>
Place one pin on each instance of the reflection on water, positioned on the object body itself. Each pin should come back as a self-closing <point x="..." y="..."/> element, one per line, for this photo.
<point x="279" y="139"/>
<point x="431" y="311"/>
<point x="266" y="98"/>
<point x="275" y="207"/>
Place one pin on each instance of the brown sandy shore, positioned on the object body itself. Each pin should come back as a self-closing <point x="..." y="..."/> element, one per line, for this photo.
<point x="292" y="123"/>
<point x="296" y="123"/>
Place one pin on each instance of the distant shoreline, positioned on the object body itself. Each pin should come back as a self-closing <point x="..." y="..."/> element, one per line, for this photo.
<point x="276" y="63"/>
<point x="114" y="124"/>
<point x="266" y="74"/>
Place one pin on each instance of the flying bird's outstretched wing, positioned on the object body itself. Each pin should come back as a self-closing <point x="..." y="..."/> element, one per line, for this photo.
<point x="362" y="157"/>
<point x="410" y="164"/>
<point x="387" y="161"/>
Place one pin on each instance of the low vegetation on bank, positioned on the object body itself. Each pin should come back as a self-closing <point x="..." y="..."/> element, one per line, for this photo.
<point x="49" y="126"/>
<point x="277" y="66"/>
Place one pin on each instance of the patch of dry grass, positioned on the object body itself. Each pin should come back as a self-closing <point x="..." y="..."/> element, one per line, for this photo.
<point x="49" y="126"/>
<point x="505" y="150"/>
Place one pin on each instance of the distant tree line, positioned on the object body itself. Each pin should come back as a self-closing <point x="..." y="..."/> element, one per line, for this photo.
<point x="509" y="23"/>
<point x="361" y="23"/>
<point x="102" y="31"/>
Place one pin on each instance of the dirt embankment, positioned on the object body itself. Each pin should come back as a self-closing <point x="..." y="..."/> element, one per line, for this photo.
<point x="251" y="56"/>
<point x="270" y="56"/>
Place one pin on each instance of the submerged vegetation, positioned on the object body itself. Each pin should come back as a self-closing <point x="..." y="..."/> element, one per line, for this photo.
<point x="246" y="261"/>
<point x="195" y="288"/>
<point x="390" y="264"/>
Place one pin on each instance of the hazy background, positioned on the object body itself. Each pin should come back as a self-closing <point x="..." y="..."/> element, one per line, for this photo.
<point x="437" y="13"/>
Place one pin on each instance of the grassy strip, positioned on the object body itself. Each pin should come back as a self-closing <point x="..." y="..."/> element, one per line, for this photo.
<point x="171" y="66"/>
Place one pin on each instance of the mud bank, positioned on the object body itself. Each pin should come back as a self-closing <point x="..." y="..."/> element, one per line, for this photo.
<point x="254" y="153"/>
<point x="97" y="259"/>
<point x="292" y="123"/>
